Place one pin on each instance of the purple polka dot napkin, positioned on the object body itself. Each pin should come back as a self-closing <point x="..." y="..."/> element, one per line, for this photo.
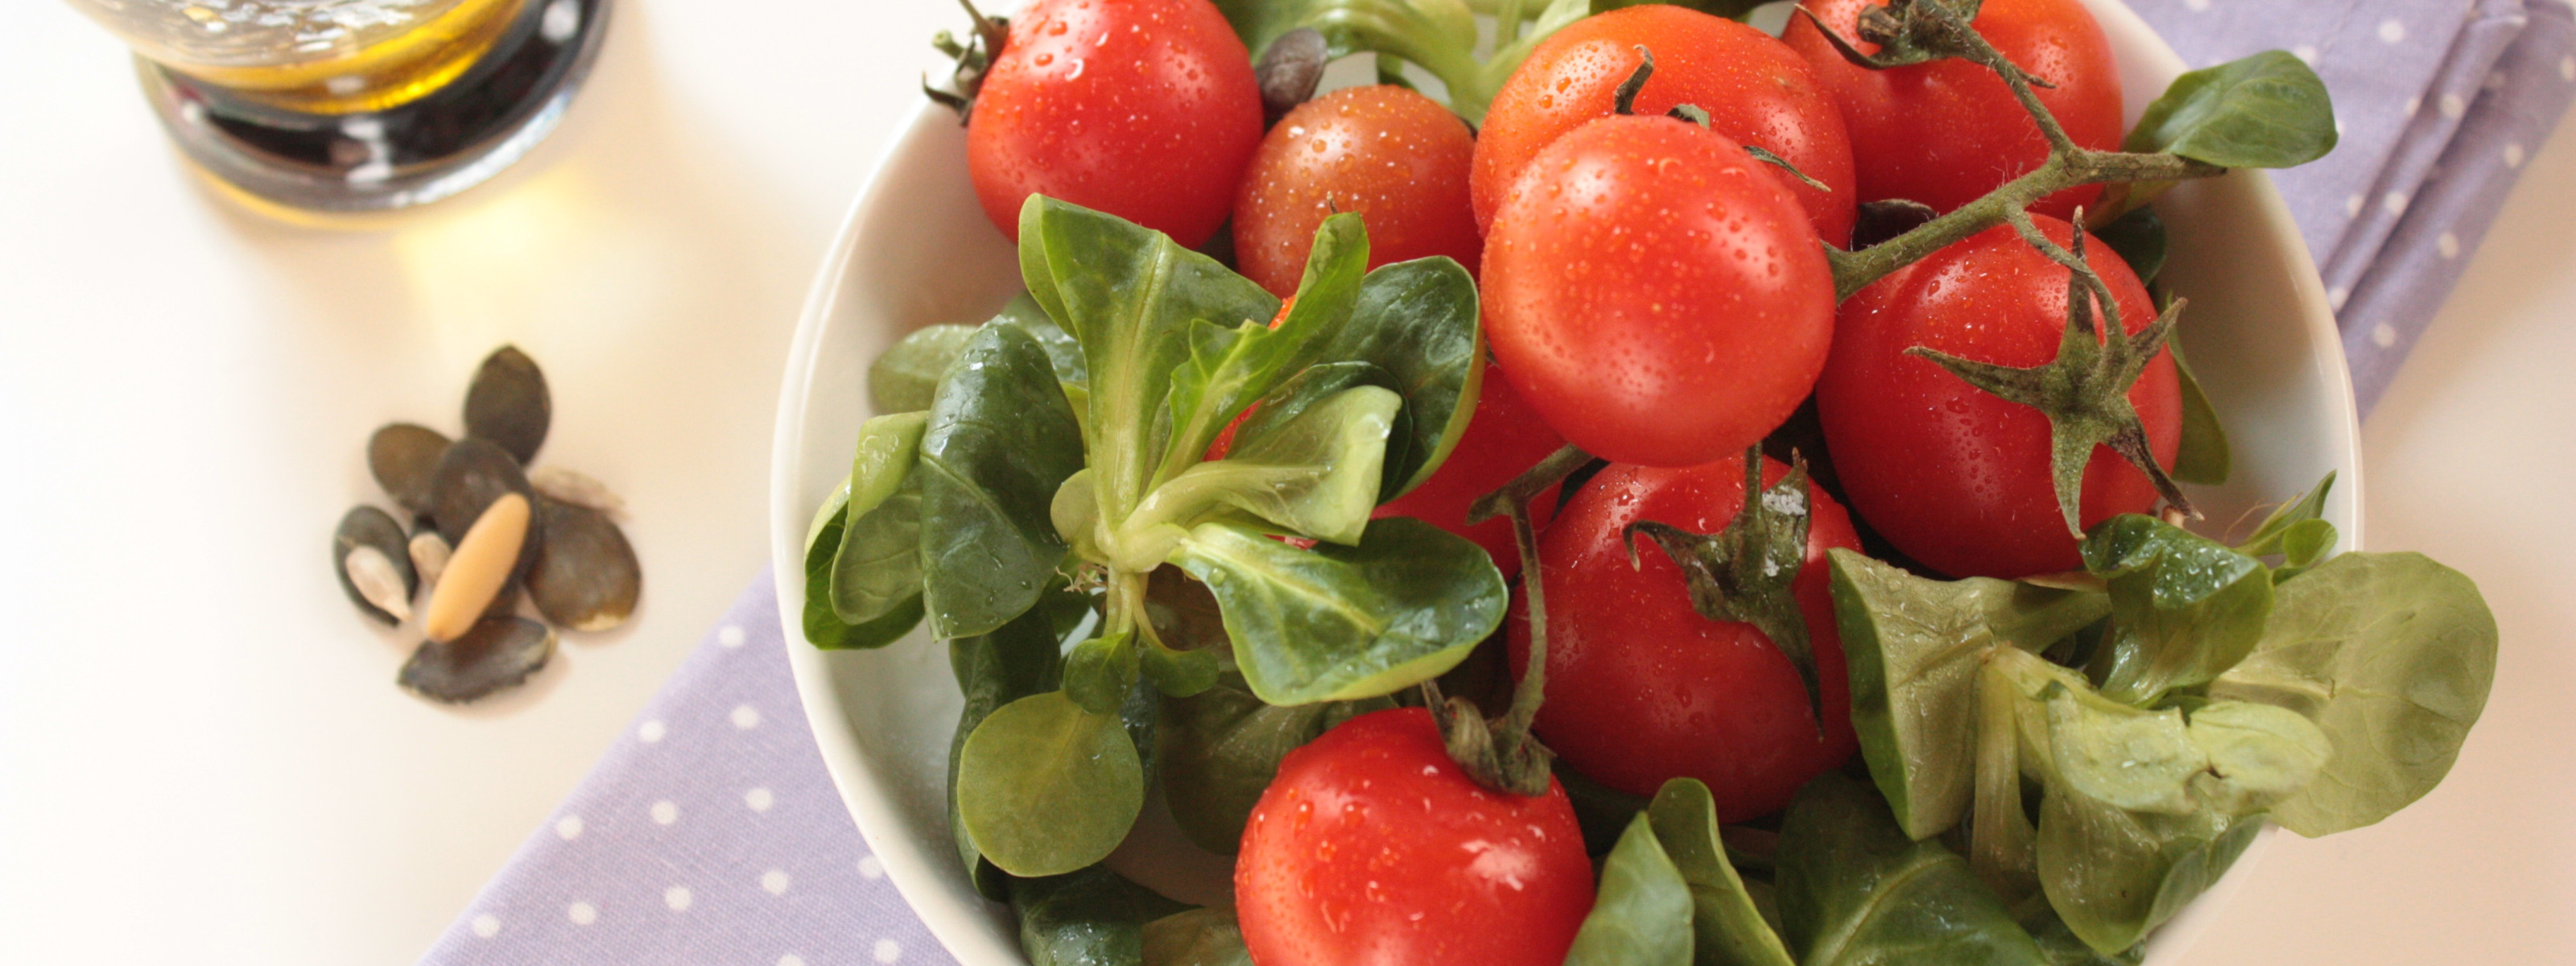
<point x="710" y="832"/>
<point x="2440" y="102"/>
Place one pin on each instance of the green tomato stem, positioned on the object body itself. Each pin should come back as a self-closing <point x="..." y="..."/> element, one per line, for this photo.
<point x="1940" y="31"/>
<point x="1531" y="690"/>
<point x="1527" y="486"/>
<point x="1854" y="271"/>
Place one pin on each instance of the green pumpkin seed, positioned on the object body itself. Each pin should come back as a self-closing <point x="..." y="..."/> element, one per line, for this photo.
<point x="508" y="403"/>
<point x="402" y="456"/>
<point x="586" y="577"/>
<point x="473" y="473"/>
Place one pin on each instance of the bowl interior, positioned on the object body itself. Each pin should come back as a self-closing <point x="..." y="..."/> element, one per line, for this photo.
<point x="916" y="250"/>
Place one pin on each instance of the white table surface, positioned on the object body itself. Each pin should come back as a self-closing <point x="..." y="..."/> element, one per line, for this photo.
<point x="203" y="757"/>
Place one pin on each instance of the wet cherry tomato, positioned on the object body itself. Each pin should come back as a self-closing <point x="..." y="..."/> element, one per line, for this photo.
<point x="1655" y="293"/>
<point x="1397" y="158"/>
<point x="1947" y="132"/>
<point x="1755" y="89"/>
<point x="1641" y="688"/>
<point x="1954" y="477"/>
<point x="1145" y="109"/>
<point x="1373" y="848"/>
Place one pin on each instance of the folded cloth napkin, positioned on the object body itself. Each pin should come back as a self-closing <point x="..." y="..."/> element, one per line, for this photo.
<point x="710" y="832"/>
<point x="2440" y="102"/>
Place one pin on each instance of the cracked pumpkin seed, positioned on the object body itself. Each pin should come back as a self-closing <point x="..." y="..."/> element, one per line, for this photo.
<point x="497" y="653"/>
<point x="365" y="528"/>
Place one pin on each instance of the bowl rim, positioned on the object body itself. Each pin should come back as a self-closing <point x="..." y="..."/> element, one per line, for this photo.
<point x="871" y="805"/>
<point x="868" y="802"/>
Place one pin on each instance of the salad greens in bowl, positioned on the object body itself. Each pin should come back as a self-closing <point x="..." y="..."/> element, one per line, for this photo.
<point x="1150" y="613"/>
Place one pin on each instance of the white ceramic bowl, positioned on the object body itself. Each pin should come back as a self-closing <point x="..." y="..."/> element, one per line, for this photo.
<point x="917" y="250"/>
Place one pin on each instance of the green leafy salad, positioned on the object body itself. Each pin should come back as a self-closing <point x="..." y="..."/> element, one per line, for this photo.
<point x="1773" y="553"/>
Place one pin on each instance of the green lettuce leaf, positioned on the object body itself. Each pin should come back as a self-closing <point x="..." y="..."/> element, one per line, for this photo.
<point x="878" y="566"/>
<point x="2264" y="111"/>
<point x="1643" y="914"/>
<point x="2184" y="607"/>
<point x="1339" y="623"/>
<point x="1855" y="890"/>
<point x="2392" y="655"/>
<point x="1913" y="646"/>
<point x="1001" y="439"/>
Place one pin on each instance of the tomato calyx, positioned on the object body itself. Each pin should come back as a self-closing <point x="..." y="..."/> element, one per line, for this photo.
<point x="974" y="58"/>
<point x="1502" y="754"/>
<point x="1907" y="35"/>
<point x="1746" y="571"/>
<point x="2084" y="392"/>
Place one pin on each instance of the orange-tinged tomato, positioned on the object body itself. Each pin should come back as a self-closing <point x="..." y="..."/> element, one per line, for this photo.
<point x="1397" y="158"/>
<point x="1755" y="89"/>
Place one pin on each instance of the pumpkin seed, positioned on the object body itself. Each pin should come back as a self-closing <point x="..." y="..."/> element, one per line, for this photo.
<point x="402" y="456"/>
<point x="574" y="487"/>
<point x="366" y="528"/>
<point x="586" y="577"/>
<point x="508" y="404"/>
<point x="495" y="654"/>
<point x="429" y="553"/>
<point x="472" y="474"/>
<point x="484" y="564"/>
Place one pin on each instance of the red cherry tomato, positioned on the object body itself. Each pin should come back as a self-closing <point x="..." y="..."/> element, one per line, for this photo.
<point x="1641" y="689"/>
<point x="1397" y="158"/>
<point x="1655" y="294"/>
<point x="1956" y="478"/>
<point x="1373" y="848"/>
<point x="1755" y="89"/>
<point x="1947" y="132"/>
<point x="1503" y="441"/>
<point x="1145" y="109"/>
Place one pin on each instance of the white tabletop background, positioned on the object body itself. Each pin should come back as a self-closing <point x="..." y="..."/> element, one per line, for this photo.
<point x="204" y="759"/>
